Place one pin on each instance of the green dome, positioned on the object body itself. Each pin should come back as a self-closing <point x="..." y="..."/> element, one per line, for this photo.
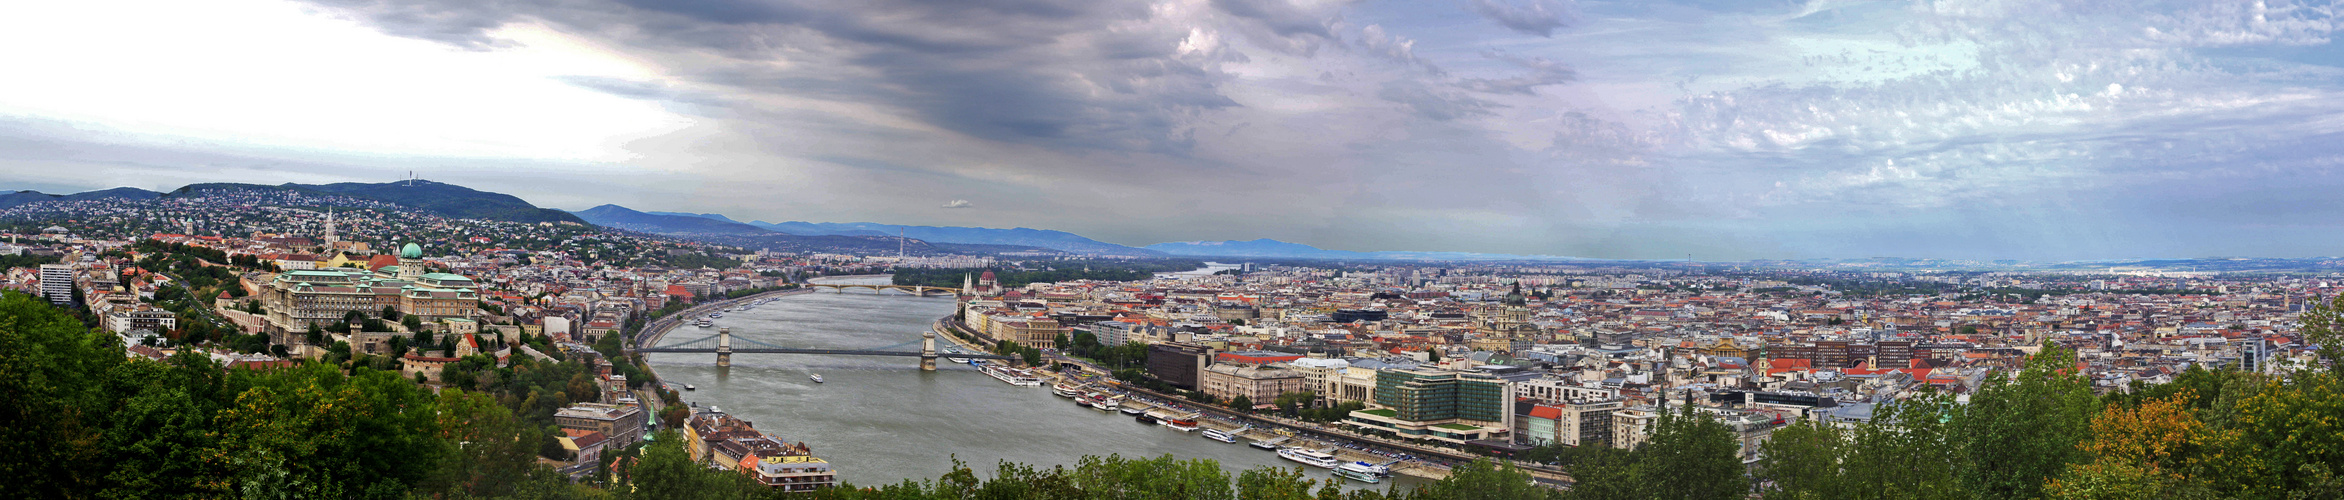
<point x="411" y="251"/>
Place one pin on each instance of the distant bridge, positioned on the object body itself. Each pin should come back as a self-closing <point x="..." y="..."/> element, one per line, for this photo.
<point x="723" y="348"/>
<point x="918" y="290"/>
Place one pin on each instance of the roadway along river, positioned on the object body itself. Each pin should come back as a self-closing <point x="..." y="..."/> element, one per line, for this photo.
<point x="881" y="420"/>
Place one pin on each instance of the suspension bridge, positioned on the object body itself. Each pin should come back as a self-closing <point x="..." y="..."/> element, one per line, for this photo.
<point x="919" y="290"/>
<point x="721" y="344"/>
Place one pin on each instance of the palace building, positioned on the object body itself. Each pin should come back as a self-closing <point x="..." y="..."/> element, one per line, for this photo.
<point x="297" y="299"/>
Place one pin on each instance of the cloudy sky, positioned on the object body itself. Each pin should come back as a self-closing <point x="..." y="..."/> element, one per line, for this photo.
<point x="1723" y="129"/>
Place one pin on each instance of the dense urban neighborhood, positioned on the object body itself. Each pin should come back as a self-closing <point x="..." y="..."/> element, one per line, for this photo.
<point x="1576" y="374"/>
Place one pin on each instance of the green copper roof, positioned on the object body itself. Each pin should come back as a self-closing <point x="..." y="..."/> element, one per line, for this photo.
<point x="411" y="251"/>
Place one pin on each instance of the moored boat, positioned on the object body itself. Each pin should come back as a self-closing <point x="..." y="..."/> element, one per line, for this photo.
<point x="1360" y="471"/>
<point x="1308" y="457"/>
<point x="689" y="387"/>
<point x="1134" y="411"/>
<point x="817" y="378"/>
<point x="1011" y="375"/>
<point x="1146" y="419"/>
<point x="1064" y="391"/>
<point x="1271" y="444"/>
<point x="1182" y="423"/>
<point x="1217" y="435"/>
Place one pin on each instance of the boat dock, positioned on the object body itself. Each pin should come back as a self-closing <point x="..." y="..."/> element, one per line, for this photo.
<point x="1274" y="437"/>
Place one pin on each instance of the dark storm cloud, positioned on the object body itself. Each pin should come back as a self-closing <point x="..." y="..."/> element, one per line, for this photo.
<point x="1772" y="128"/>
<point x="1077" y="73"/>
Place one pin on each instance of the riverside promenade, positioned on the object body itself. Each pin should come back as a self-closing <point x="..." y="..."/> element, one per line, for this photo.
<point x="660" y="327"/>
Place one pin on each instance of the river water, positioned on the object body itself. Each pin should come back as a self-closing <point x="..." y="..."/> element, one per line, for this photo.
<point x="880" y="420"/>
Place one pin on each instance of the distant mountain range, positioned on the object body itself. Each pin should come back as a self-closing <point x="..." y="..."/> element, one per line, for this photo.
<point x="1274" y="249"/>
<point x="623" y="218"/>
<point x="682" y="223"/>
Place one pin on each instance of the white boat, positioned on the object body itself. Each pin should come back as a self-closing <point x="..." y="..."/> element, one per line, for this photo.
<point x="1217" y="435"/>
<point x="1064" y="391"/>
<point x="704" y="323"/>
<point x="1110" y="403"/>
<point x="817" y="378"/>
<point x="689" y="387"/>
<point x="1362" y="472"/>
<point x="1010" y="375"/>
<point x="1308" y="457"/>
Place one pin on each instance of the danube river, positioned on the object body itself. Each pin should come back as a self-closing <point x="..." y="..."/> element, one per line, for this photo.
<point x="881" y="420"/>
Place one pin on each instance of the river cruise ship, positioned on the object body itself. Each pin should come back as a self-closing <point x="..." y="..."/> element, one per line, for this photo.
<point x="1013" y="376"/>
<point x="1363" y="472"/>
<point x="1308" y="457"/>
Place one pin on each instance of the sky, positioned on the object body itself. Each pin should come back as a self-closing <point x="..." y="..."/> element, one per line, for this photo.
<point x="1714" y="129"/>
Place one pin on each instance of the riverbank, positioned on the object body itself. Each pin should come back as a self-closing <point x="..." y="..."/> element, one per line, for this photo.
<point x="1350" y="446"/>
<point x="659" y="328"/>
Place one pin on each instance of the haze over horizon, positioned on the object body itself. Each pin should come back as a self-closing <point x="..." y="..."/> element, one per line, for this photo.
<point x="2070" y="130"/>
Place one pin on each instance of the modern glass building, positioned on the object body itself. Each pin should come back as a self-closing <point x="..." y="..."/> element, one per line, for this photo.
<point x="1438" y="404"/>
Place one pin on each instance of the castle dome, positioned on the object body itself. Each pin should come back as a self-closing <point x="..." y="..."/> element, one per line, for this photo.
<point x="411" y="251"/>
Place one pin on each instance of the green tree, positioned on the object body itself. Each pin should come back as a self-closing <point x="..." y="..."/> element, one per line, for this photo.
<point x="1692" y="456"/>
<point x="1273" y="483"/>
<point x="666" y="471"/>
<point x="2324" y="326"/>
<point x="494" y="452"/>
<point x="672" y="416"/>
<point x="412" y="322"/>
<point x="1241" y="403"/>
<point x="2020" y="431"/>
<point x="1484" y="480"/>
<point x="1803" y="460"/>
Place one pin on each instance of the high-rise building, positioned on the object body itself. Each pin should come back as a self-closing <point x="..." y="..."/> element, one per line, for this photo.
<point x="1441" y="405"/>
<point x="57" y="283"/>
<point x="1179" y="364"/>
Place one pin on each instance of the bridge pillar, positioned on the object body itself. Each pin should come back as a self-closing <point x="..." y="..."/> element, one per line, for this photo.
<point x="928" y="351"/>
<point x="724" y="347"/>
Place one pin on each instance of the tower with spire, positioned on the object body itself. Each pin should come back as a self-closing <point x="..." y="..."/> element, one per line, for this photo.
<point x="330" y="237"/>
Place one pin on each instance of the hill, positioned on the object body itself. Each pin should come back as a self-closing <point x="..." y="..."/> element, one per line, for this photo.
<point x="1024" y="237"/>
<point x="437" y="198"/>
<point x="448" y="200"/>
<point x="23" y="197"/>
<point x="662" y="223"/>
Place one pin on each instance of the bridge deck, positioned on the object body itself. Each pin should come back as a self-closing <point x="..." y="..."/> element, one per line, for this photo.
<point x="840" y="352"/>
